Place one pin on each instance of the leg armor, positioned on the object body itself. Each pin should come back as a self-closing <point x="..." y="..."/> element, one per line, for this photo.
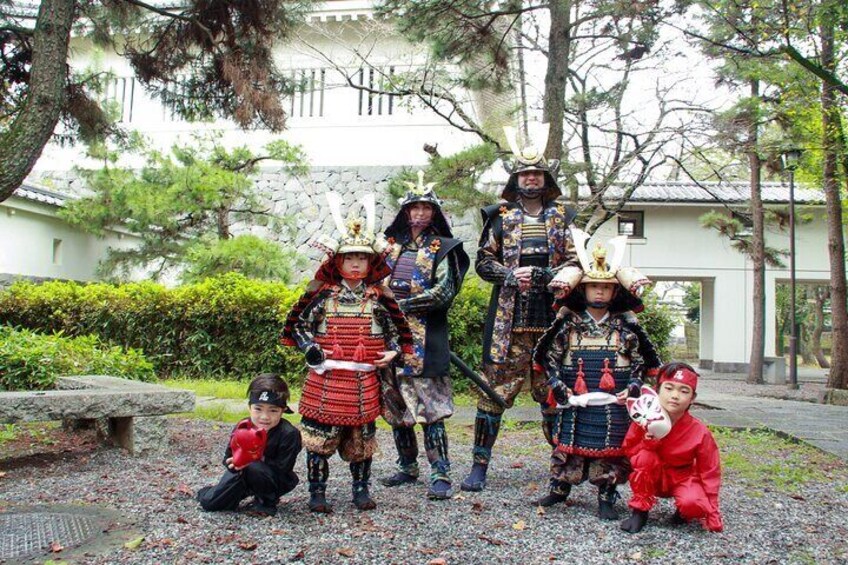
<point x="436" y="444"/>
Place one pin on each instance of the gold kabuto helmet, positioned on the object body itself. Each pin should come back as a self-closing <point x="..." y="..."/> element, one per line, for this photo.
<point x="357" y="233"/>
<point x="600" y="267"/>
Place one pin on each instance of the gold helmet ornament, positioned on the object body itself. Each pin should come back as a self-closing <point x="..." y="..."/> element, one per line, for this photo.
<point x="600" y="268"/>
<point x="357" y="233"/>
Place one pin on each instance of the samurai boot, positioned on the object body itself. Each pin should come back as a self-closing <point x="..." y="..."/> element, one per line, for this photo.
<point x="317" y="472"/>
<point x="486" y="428"/>
<point x="636" y="522"/>
<point x="407" y="461"/>
<point x="436" y="444"/>
<point x="557" y="494"/>
<point x="262" y="508"/>
<point x="361" y="473"/>
<point x="607" y="495"/>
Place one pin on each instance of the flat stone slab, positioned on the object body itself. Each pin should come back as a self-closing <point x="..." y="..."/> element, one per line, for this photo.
<point x="92" y="397"/>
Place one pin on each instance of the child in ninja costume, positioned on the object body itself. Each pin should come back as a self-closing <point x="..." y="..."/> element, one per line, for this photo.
<point x="261" y="453"/>
<point x="349" y="328"/>
<point x="683" y="464"/>
<point x="593" y="359"/>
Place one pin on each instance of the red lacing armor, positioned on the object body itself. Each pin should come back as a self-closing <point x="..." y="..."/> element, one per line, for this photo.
<point x="340" y="397"/>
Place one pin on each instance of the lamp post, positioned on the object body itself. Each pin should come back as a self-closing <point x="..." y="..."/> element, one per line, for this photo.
<point x="790" y="163"/>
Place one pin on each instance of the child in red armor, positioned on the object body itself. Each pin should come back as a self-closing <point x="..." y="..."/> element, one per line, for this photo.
<point x="684" y="464"/>
<point x="349" y="329"/>
<point x="264" y="434"/>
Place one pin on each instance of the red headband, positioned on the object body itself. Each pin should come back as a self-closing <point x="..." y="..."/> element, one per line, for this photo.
<point x="682" y="376"/>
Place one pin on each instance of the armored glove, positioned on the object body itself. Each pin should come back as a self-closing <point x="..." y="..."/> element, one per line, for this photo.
<point x="559" y="390"/>
<point x="314" y="355"/>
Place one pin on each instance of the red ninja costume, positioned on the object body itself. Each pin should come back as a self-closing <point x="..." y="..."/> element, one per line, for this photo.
<point x="684" y="465"/>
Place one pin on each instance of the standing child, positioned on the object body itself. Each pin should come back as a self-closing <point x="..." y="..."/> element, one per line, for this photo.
<point x="684" y="464"/>
<point x="271" y="474"/>
<point x="593" y="360"/>
<point x="349" y="328"/>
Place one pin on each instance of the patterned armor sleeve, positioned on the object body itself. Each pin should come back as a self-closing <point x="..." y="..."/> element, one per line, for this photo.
<point x="553" y="358"/>
<point x="631" y="350"/>
<point x="395" y="327"/>
<point x="488" y="264"/>
<point x="439" y="295"/>
<point x="303" y="327"/>
<point x="570" y="253"/>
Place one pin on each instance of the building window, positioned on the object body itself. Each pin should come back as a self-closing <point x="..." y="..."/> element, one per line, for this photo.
<point x="371" y="103"/>
<point x="57" y="251"/>
<point x="120" y="93"/>
<point x="631" y="224"/>
<point x="307" y="101"/>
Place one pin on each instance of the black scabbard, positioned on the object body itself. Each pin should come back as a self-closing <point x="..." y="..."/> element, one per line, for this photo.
<point x="477" y="380"/>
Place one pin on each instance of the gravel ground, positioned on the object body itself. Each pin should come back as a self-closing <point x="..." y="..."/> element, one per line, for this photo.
<point x="798" y="515"/>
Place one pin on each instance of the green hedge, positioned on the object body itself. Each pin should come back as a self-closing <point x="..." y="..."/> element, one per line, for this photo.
<point x="32" y="361"/>
<point x="227" y="326"/>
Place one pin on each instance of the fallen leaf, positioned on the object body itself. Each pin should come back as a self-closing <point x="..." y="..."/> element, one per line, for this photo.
<point x="346" y="551"/>
<point x="277" y="532"/>
<point x="520" y="525"/>
<point x="459" y="497"/>
<point x="298" y="556"/>
<point x="492" y="541"/>
<point x="477" y="506"/>
<point x="132" y="545"/>
<point x="248" y="545"/>
<point x="186" y="490"/>
<point x="797" y="497"/>
<point x="2" y="474"/>
<point x="437" y="561"/>
<point x="540" y="510"/>
<point x="517" y="465"/>
<point x="636" y="556"/>
<point x="56" y="547"/>
<point x="181" y="520"/>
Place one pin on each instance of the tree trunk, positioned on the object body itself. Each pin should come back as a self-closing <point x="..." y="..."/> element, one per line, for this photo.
<point x="556" y="75"/>
<point x="222" y="221"/>
<point x="755" y="368"/>
<point x="21" y="144"/>
<point x="819" y="297"/>
<point x="838" y="377"/>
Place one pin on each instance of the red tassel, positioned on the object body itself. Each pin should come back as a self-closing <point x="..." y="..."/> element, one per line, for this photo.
<point x="580" y="386"/>
<point x="607" y="382"/>
<point x="359" y="354"/>
<point x="338" y="352"/>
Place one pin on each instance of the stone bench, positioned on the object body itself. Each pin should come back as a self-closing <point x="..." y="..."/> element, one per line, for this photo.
<point x="129" y="413"/>
<point x="774" y="370"/>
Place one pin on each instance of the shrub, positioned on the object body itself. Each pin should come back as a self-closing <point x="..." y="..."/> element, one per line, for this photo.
<point x="29" y="360"/>
<point x="227" y="326"/>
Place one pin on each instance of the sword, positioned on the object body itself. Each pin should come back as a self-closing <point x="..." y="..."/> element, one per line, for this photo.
<point x="477" y="380"/>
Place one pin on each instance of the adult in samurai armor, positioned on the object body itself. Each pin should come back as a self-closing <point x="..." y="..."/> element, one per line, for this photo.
<point x="592" y="358"/>
<point x="349" y="328"/>
<point x="525" y="241"/>
<point x="428" y="266"/>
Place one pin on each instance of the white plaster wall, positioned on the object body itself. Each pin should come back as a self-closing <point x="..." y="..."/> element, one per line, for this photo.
<point x="340" y="136"/>
<point x="27" y="232"/>
<point x="676" y="247"/>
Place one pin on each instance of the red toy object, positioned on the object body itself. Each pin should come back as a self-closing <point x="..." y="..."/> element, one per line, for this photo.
<point x="247" y="443"/>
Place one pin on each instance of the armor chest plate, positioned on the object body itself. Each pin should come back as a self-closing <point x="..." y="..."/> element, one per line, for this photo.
<point x="401" y="281"/>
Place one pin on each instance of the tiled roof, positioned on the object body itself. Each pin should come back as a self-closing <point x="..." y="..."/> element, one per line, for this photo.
<point x="736" y="192"/>
<point x="36" y="194"/>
